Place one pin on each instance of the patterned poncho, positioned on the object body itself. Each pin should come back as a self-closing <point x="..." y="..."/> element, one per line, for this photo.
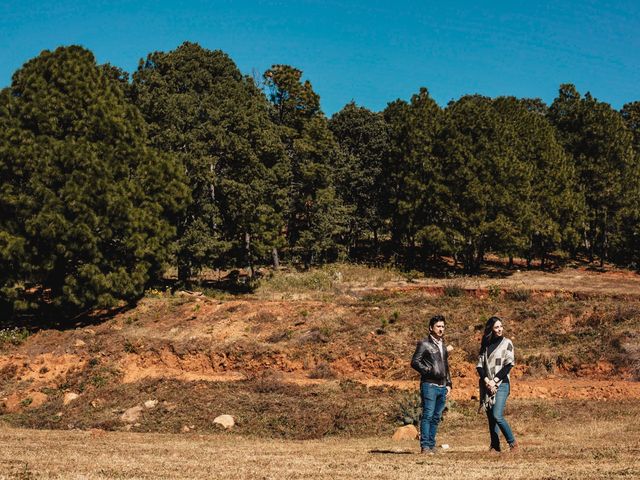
<point x="502" y="355"/>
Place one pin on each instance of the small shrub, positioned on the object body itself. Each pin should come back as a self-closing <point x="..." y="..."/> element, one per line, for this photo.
<point x="314" y="280"/>
<point x="383" y="327"/>
<point x="130" y="347"/>
<point x="98" y="381"/>
<point x="154" y="292"/>
<point x="541" y="364"/>
<point x="24" y="473"/>
<point x="453" y="290"/>
<point x="13" y="336"/>
<point x="626" y="313"/>
<point x="412" y="275"/>
<point x="315" y="335"/>
<point x="280" y="336"/>
<point x="409" y="408"/>
<point x="519" y="295"/>
<point x="322" y="370"/>
<point x="394" y="317"/>
<point x="494" y="291"/>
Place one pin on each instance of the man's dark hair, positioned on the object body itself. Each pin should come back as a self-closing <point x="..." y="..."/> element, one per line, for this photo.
<point x="435" y="319"/>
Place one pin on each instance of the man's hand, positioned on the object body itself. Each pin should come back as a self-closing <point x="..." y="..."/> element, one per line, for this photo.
<point x="448" y="390"/>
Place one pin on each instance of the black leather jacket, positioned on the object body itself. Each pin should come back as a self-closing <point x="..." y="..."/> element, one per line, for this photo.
<point x="430" y="363"/>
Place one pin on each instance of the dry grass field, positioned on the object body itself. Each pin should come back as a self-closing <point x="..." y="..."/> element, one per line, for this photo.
<point x="601" y="444"/>
<point x="314" y="368"/>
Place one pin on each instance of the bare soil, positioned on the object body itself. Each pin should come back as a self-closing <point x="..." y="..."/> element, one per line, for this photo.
<point x="343" y="335"/>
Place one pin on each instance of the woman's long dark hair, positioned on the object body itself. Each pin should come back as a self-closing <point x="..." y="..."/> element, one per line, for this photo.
<point x="487" y="336"/>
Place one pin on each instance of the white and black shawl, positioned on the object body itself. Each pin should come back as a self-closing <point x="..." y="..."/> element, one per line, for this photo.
<point x="502" y="355"/>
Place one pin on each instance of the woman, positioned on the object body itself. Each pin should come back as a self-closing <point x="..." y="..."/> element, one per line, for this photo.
<point x="495" y="362"/>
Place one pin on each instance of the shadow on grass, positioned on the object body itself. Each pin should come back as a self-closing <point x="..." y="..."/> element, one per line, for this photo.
<point x="45" y="319"/>
<point x="379" y="451"/>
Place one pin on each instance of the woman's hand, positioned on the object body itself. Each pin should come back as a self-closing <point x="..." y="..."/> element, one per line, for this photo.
<point x="491" y="386"/>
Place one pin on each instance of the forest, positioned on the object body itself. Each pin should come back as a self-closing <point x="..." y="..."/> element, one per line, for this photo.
<point x="109" y="179"/>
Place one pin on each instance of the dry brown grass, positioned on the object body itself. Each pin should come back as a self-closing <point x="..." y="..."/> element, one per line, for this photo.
<point x="587" y="447"/>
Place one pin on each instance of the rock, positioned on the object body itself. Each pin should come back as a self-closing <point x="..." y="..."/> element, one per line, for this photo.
<point x="37" y="399"/>
<point x="79" y="343"/>
<point x="450" y="348"/>
<point x="408" y="432"/>
<point x="445" y="446"/>
<point x="185" y="429"/>
<point x="131" y="415"/>
<point x="227" y="421"/>
<point x="150" y="403"/>
<point x="97" y="403"/>
<point x="169" y="406"/>
<point x="188" y="293"/>
<point x="69" y="397"/>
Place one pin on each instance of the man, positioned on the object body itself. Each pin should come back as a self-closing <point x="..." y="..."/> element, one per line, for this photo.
<point x="431" y="359"/>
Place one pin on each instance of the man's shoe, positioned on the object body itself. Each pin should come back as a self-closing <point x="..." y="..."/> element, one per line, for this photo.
<point x="494" y="451"/>
<point x="514" y="447"/>
<point x="427" y="451"/>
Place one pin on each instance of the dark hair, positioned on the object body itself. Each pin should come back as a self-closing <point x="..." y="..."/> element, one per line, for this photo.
<point x="435" y="319"/>
<point x="487" y="336"/>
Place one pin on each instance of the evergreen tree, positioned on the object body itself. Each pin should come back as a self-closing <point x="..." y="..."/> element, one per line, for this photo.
<point x="363" y="138"/>
<point x="86" y="208"/>
<point x="487" y="186"/>
<point x="601" y="146"/>
<point x="627" y="249"/>
<point x="555" y="209"/>
<point x="413" y="175"/>
<point x="201" y="109"/>
<point x="316" y="217"/>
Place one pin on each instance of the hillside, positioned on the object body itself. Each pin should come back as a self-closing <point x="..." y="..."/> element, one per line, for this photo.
<point x="323" y="352"/>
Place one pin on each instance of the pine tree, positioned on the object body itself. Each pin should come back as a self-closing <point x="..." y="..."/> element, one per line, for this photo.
<point x="487" y="186"/>
<point x="201" y="109"/>
<point x="316" y="217"/>
<point x="413" y="175"/>
<point x="601" y="146"/>
<point x="363" y="138"/>
<point x="87" y="208"/>
<point x="556" y="207"/>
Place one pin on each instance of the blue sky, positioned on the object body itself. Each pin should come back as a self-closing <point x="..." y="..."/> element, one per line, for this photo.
<point x="371" y="52"/>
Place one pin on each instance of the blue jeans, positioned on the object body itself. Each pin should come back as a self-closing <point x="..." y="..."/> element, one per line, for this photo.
<point x="433" y="402"/>
<point x="497" y="422"/>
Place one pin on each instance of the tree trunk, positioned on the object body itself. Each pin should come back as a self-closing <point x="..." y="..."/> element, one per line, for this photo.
<point x="605" y="239"/>
<point x="276" y="259"/>
<point x="184" y="273"/>
<point x="247" y="249"/>
<point x="375" y="242"/>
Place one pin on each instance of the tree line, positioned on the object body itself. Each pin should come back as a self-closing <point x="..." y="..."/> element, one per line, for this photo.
<point x="105" y="180"/>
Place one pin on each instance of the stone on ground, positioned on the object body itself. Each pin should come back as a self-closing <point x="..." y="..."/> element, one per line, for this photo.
<point x="132" y="415"/>
<point x="408" y="432"/>
<point x="227" y="421"/>
<point x="69" y="397"/>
